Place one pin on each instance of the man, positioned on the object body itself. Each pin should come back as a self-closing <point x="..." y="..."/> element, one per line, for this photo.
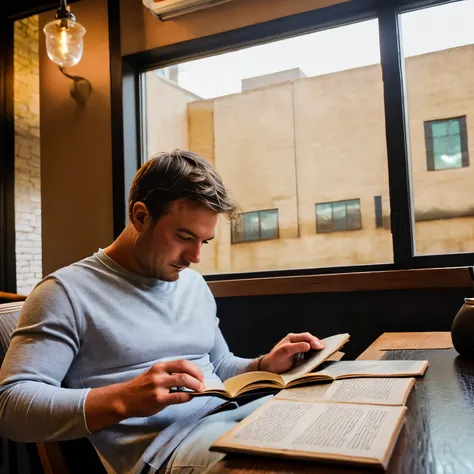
<point x="100" y="343"/>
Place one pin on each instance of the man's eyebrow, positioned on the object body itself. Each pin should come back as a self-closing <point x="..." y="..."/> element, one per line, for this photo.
<point x="187" y="231"/>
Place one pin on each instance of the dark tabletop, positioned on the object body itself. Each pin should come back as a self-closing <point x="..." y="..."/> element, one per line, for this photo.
<point x="437" y="438"/>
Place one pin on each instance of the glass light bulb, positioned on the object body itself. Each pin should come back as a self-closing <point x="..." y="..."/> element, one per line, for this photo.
<point x="64" y="41"/>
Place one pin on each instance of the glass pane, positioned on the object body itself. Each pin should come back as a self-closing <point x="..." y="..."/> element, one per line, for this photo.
<point x="251" y="226"/>
<point x="353" y="215"/>
<point x="437" y="44"/>
<point x="324" y="217"/>
<point x="447" y="144"/>
<point x="268" y="224"/>
<point x="288" y="125"/>
<point x="237" y="226"/>
<point x="339" y="221"/>
<point x="27" y="154"/>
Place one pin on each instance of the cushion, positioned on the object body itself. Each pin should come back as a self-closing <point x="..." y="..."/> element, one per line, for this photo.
<point x="9" y="315"/>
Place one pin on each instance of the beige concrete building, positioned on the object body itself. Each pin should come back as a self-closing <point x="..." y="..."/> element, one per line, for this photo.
<point x="312" y="152"/>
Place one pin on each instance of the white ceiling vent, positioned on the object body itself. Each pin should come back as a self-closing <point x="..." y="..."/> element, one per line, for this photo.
<point x="166" y="9"/>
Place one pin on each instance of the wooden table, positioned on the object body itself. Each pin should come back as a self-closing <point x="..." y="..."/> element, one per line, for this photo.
<point x="439" y="432"/>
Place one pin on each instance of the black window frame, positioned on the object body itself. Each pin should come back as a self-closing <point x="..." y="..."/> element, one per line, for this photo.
<point x="319" y="229"/>
<point x="429" y="142"/>
<point x="236" y="222"/>
<point x="127" y="123"/>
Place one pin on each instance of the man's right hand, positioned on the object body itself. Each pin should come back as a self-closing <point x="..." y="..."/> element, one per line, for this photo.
<point x="143" y="395"/>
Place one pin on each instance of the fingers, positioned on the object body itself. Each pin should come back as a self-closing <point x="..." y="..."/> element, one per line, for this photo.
<point x="183" y="380"/>
<point x="291" y="348"/>
<point x="175" y="398"/>
<point x="313" y="341"/>
<point x="183" y="366"/>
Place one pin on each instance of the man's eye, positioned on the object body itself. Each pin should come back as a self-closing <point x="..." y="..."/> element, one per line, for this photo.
<point x="205" y="242"/>
<point x="186" y="239"/>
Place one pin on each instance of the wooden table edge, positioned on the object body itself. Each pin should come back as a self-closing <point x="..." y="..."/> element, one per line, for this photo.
<point x="406" y="340"/>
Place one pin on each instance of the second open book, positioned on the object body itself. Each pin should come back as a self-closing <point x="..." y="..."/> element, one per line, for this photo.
<point x="303" y="373"/>
<point x="349" y="421"/>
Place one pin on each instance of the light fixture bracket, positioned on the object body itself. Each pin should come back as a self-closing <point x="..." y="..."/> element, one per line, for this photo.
<point x="63" y="13"/>
<point x="81" y="88"/>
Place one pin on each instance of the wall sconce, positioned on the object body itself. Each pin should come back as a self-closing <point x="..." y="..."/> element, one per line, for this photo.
<point x="65" y="45"/>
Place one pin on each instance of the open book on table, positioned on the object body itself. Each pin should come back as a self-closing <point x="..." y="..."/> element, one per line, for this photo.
<point x="303" y="373"/>
<point x="260" y="380"/>
<point x="350" y="421"/>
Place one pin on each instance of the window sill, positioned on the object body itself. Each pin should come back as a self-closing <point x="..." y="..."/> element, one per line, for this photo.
<point x="457" y="277"/>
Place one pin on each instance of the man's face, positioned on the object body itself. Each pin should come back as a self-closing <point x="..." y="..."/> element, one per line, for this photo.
<point x="175" y="241"/>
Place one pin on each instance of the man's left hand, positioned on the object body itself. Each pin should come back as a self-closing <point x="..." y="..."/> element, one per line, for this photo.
<point x="282" y="357"/>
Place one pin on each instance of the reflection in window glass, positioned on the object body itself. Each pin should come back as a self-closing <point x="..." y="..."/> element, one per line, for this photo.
<point x="336" y="216"/>
<point x="446" y="144"/>
<point x="324" y="217"/>
<point x="438" y="44"/>
<point x="253" y="226"/>
<point x="286" y="124"/>
<point x="353" y="214"/>
<point x="268" y="225"/>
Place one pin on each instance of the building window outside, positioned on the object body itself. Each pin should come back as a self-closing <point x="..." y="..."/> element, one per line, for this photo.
<point x="255" y="226"/>
<point x="378" y="211"/>
<point x="337" y="216"/>
<point x="446" y="144"/>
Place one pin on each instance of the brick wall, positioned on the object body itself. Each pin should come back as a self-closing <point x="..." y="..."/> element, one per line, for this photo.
<point x="27" y="155"/>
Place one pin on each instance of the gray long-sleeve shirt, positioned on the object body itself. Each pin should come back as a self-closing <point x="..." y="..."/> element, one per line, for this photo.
<point x="93" y="324"/>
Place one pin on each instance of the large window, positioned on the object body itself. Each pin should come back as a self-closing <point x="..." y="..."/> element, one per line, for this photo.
<point x="335" y="216"/>
<point x="253" y="226"/>
<point x="286" y="124"/>
<point x="446" y="144"/>
<point x="303" y="124"/>
<point x="438" y="43"/>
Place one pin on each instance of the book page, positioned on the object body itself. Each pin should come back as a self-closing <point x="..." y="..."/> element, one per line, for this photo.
<point x="324" y="430"/>
<point x="214" y="384"/>
<point x="375" y="368"/>
<point x="313" y="358"/>
<point x="378" y="391"/>
<point x="234" y="385"/>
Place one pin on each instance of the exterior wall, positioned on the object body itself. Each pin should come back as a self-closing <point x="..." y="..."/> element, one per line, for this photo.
<point x="167" y="121"/>
<point x="440" y="86"/>
<point x="321" y="139"/>
<point x="27" y="155"/>
<point x="271" y="79"/>
<point x="200" y="117"/>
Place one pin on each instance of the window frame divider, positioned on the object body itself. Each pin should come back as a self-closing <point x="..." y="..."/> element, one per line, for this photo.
<point x="397" y="136"/>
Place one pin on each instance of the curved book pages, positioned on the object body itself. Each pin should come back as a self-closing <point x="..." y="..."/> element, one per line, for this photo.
<point x="303" y="373"/>
<point x="261" y="380"/>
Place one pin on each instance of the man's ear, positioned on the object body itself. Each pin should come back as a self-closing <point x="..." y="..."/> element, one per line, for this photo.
<point x="140" y="216"/>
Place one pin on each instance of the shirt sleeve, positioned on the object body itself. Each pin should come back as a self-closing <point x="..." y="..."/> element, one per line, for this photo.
<point x="33" y="405"/>
<point x="226" y="364"/>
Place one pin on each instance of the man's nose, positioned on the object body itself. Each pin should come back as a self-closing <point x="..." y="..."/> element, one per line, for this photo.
<point x="193" y="255"/>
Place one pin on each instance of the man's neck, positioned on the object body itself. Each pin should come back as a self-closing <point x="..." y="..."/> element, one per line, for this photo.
<point x="121" y="251"/>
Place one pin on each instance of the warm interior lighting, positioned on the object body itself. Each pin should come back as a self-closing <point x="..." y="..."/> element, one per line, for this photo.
<point x="65" y="45"/>
<point x="64" y="42"/>
<point x="64" y="48"/>
<point x="64" y="38"/>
